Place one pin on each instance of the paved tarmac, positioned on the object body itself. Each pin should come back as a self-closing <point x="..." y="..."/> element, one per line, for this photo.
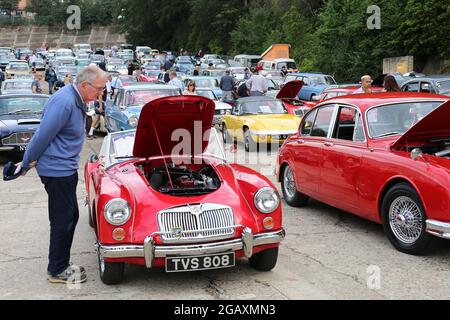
<point x="327" y="254"/>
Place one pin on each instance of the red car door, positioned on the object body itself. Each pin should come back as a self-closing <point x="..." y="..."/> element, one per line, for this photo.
<point x="342" y="158"/>
<point x="307" y="152"/>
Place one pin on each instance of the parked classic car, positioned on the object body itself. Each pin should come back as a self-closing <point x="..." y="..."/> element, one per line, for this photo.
<point x="439" y="84"/>
<point x="288" y="95"/>
<point x="205" y="82"/>
<point x="16" y="86"/>
<point x="193" y="211"/>
<point x="314" y="84"/>
<point x="15" y="68"/>
<point x="381" y="156"/>
<point x="255" y="120"/>
<point x="20" y="116"/>
<point x="123" y="113"/>
<point x="221" y="108"/>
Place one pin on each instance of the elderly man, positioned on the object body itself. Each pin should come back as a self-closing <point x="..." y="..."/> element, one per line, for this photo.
<point x="366" y="85"/>
<point x="174" y="81"/>
<point x="55" y="151"/>
<point x="258" y="84"/>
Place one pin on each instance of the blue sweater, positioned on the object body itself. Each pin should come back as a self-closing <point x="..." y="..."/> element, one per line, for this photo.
<point x="58" y="141"/>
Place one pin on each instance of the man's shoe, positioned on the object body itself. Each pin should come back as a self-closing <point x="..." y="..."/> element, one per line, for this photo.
<point x="91" y="137"/>
<point x="72" y="275"/>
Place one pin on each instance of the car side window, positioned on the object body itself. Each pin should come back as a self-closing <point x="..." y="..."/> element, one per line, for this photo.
<point x="412" y="87"/>
<point x="426" y="87"/>
<point x="321" y="126"/>
<point x="359" y="129"/>
<point x="345" y="124"/>
<point x="308" y="123"/>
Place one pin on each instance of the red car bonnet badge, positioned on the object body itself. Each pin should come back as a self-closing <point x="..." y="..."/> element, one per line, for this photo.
<point x="25" y="137"/>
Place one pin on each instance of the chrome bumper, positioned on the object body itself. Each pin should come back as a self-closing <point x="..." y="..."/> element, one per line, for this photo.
<point x="438" y="229"/>
<point x="150" y="251"/>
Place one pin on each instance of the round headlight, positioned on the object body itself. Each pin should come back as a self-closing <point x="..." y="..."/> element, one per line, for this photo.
<point x="133" y="121"/>
<point x="117" y="212"/>
<point x="267" y="200"/>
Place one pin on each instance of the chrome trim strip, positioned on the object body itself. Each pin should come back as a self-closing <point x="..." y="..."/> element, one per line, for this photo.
<point x="149" y="251"/>
<point x="272" y="133"/>
<point x="438" y="228"/>
<point x="7" y="148"/>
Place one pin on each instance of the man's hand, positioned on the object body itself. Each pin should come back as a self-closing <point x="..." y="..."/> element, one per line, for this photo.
<point x="19" y="167"/>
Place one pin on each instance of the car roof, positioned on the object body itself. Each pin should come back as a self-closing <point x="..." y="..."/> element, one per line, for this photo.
<point x="254" y="99"/>
<point x="25" y="95"/>
<point x="18" y="80"/>
<point x="436" y="77"/>
<point x="366" y="101"/>
<point x="148" y="86"/>
<point x="309" y="74"/>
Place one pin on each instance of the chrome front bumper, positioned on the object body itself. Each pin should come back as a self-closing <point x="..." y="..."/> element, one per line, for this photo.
<point x="150" y="251"/>
<point x="438" y="229"/>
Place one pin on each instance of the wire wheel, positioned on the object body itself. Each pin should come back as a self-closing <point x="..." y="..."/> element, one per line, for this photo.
<point x="406" y="219"/>
<point x="289" y="183"/>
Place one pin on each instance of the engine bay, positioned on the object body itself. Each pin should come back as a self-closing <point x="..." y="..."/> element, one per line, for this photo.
<point x="435" y="147"/>
<point x="181" y="180"/>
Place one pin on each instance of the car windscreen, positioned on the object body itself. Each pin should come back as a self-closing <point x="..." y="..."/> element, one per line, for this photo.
<point x="20" y="66"/>
<point x="152" y="73"/>
<point x="206" y="83"/>
<point x="443" y="86"/>
<point x="18" y="85"/>
<point x="64" y="54"/>
<point x="289" y="65"/>
<point x="142" y="97"/>
<point x="206" y="93"/>
<point x="321" y="80"/>
<point x="263" y="107"/>
<point x="15" y="105"/>
<point x="396" y="119"/>
<point x="65" y="71"/>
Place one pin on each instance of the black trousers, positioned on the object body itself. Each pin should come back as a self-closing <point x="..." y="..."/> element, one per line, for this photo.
<point x="63" y="214"/>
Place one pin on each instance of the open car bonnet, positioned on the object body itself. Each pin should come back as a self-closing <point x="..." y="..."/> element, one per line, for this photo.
<point x="290" y="90"/>
<point x="190" y="116"/>
<point x="434" y="125"/>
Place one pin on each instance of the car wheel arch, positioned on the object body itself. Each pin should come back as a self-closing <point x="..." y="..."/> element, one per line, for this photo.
<point x="389" y="185"/>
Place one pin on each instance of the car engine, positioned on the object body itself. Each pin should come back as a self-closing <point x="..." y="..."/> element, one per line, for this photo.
<point x="185" y="181"/>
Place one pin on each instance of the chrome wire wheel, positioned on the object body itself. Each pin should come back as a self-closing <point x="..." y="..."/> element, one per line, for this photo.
<point x="406" y="219"/>
<point x="289" y="182"/>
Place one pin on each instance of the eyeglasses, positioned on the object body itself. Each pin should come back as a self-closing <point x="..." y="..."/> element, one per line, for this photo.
<point x="96" y="88"/>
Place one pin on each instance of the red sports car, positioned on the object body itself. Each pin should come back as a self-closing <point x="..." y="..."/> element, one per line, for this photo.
<point x="163" y="195"/>
<point x="288" y="95"/>
<point x="389" y="163"/>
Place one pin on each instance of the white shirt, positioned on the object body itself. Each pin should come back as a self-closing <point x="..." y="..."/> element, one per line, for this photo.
<point x="177" y="83"/>
<point x="258" y="83"/>
<point x="116" y="83"/>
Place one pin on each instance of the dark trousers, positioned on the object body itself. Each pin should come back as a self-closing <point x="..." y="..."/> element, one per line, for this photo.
<point x="63" y="215"/>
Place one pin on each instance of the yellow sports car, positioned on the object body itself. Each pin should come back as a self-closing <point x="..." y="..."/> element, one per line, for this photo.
<point x="256" y="120"/>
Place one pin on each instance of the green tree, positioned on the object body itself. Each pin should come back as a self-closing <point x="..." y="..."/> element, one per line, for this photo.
<point x="8" y="5"/>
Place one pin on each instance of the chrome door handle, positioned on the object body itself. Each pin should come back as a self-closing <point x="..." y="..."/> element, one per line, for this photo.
<point x="300" y="141"/>
<point x="328" y="144"/>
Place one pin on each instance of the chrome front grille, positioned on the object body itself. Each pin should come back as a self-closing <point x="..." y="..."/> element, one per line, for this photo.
<point x="18" y="139"/>
<point x="196" y="222"/>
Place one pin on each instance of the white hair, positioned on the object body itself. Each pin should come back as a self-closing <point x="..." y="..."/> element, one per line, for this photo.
<point x="90" y="74"/>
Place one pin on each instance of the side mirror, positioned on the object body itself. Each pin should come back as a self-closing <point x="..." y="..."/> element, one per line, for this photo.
<point x="416" y="153"/>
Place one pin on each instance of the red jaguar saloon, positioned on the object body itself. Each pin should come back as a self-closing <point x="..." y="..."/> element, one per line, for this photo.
<point x="164" y="195"/>
<point x="382" y="156"/>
